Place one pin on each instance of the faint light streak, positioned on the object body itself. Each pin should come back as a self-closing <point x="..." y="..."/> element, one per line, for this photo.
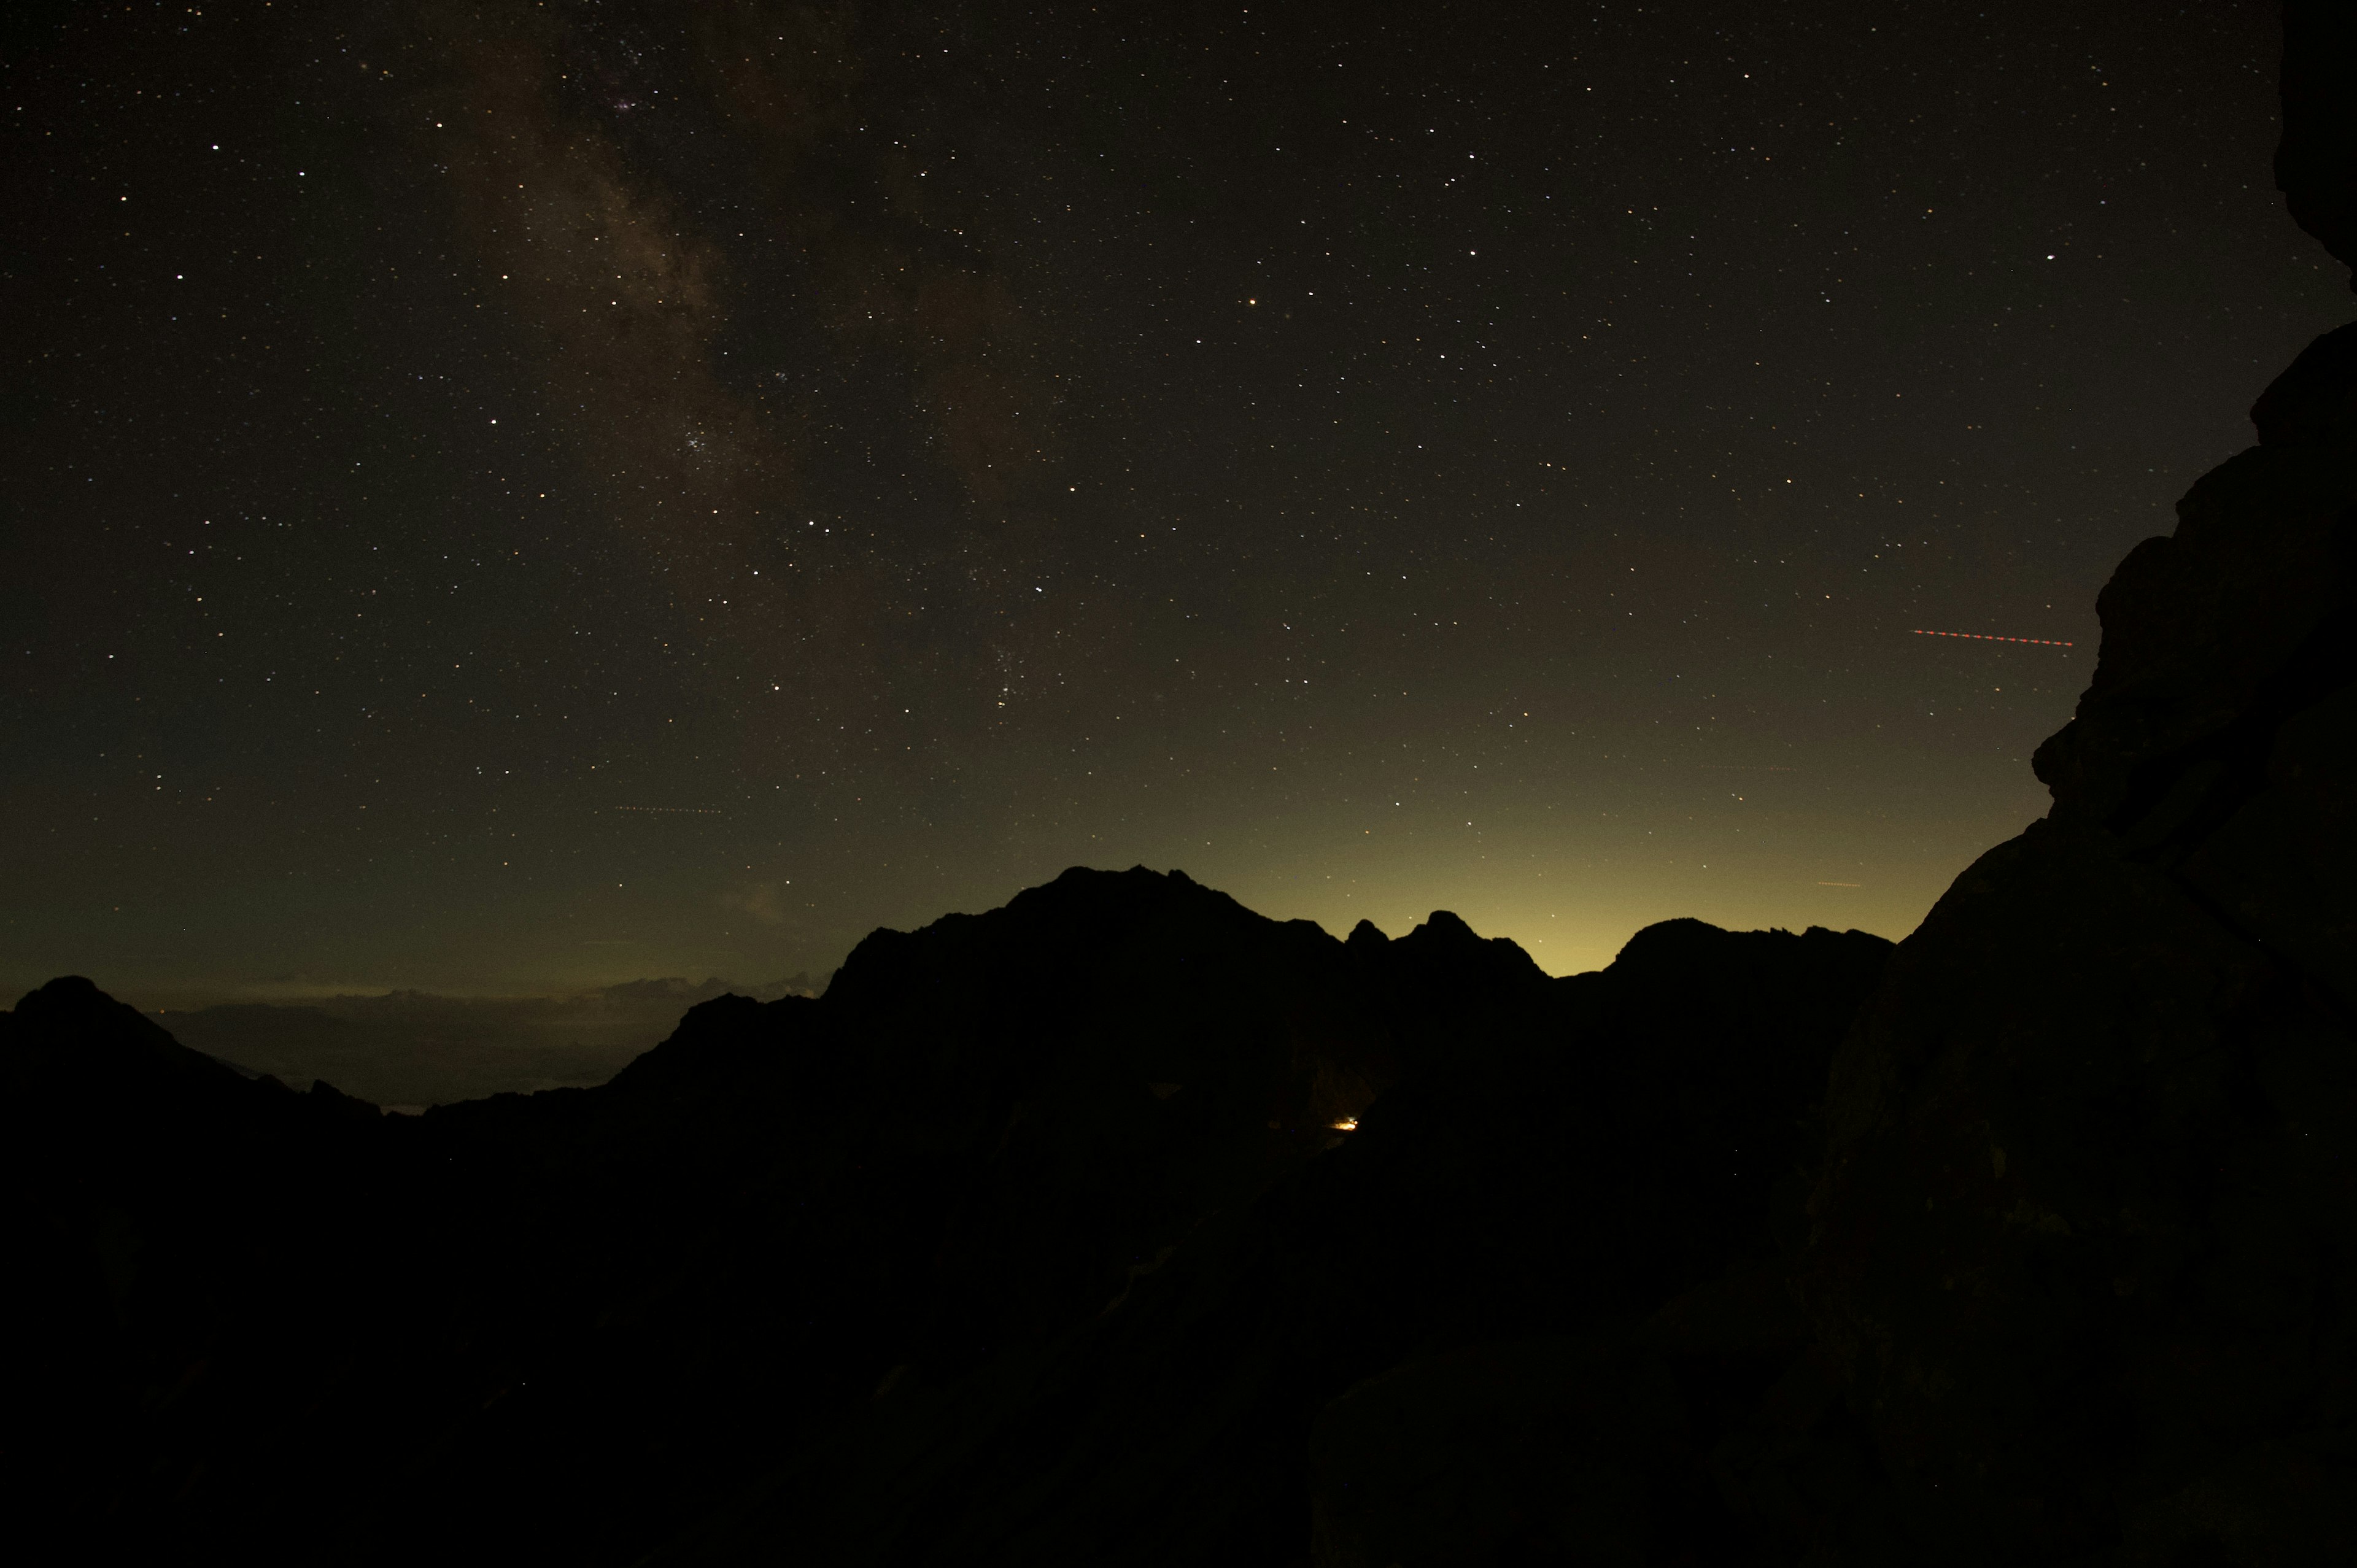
<point x="1983" y="637"/>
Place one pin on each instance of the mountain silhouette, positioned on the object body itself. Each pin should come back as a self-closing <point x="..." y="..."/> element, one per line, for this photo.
<point x="586" y="1325"/>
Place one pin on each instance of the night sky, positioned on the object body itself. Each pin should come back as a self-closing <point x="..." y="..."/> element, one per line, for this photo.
<point x="508" y="497"/>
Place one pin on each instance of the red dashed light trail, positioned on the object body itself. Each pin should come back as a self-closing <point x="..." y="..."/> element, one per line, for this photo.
<point x="1983" y="637"/>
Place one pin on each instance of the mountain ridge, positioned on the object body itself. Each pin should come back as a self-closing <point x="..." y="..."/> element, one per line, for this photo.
<point x="992" y="1168"/>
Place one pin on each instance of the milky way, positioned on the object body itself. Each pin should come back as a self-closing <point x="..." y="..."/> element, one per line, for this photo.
<point x="515" y="496"/>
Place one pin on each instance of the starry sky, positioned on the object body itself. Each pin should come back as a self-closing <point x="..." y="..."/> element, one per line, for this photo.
<point x="504" y="497"/>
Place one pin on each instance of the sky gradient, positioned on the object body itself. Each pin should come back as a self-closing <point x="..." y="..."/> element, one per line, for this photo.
<point x="513" y="498"/>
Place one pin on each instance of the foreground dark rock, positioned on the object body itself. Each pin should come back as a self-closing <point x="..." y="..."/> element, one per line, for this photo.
<point x="2083" y="1250"/>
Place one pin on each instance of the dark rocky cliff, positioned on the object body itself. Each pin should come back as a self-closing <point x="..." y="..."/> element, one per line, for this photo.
<point x="2082" y="1252"/>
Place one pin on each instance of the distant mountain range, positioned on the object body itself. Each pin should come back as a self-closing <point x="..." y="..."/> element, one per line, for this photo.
<point x="411" y="1049"/>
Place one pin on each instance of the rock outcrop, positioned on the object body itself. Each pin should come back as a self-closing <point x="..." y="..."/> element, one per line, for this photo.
<point x="2085" y="1248"/>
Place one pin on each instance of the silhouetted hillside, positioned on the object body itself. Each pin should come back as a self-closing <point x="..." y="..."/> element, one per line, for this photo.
<point x="572" y="1326"/>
